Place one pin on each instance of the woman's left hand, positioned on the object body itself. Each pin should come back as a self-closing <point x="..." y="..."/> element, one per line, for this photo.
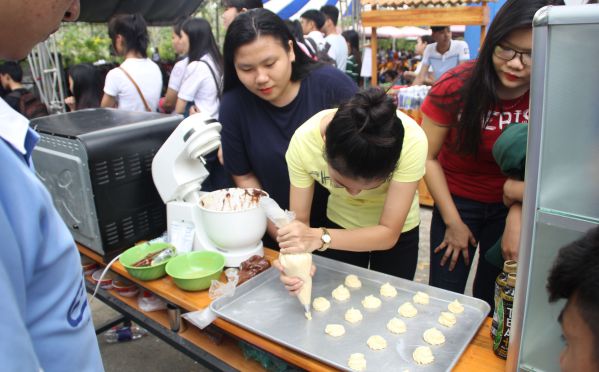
<point x="292" y="284"/>
<point x="297" y="237"/>
<point x="219" y="155"/>
<point x="513" y="192"/>
<point x="510" y="241"/>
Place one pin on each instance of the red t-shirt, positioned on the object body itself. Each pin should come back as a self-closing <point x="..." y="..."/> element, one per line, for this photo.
<point x="473" y="177"/>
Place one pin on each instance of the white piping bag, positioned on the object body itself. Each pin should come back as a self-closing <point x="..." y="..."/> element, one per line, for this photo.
<point x="295" y="264"/>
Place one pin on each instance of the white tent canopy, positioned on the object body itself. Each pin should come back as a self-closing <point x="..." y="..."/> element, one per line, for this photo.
<point x="398" y="32"/>
<point x="409" y="32"/>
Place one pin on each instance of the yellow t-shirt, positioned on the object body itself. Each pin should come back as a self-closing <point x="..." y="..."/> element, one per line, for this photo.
<point x="306" y="163"/>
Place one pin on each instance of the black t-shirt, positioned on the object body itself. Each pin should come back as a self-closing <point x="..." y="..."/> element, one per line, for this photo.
<point x="256" y="134"/>
<point x="13" y="98"/>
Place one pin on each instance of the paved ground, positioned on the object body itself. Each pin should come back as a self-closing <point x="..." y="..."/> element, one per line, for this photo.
<point x="151" y="353"/>
<point x="148" y="353"/>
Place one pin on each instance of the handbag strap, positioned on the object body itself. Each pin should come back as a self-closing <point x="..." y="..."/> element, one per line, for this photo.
<point x="218" y="89"/>
<point x="148" y="109"/>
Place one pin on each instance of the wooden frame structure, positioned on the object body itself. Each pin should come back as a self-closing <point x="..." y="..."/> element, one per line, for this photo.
<point x="422" y="13"/>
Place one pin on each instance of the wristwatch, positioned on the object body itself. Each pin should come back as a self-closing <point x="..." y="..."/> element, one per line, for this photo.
<point x="325" y="238"/>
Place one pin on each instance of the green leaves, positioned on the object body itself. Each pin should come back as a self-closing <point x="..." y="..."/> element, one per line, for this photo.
<point x="85" y="42"/>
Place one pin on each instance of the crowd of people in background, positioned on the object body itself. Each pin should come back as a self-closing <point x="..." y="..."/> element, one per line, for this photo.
<point x="136" y="83"/>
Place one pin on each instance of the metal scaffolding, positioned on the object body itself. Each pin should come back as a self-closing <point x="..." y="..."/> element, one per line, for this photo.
<point x="46" y="71"/>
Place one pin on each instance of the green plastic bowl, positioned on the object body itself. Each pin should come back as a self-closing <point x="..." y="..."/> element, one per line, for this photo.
<point x="194" y="271"/>
<point x="134" y="254"/>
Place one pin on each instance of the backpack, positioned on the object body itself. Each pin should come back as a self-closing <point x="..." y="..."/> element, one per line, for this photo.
<point x="29" y="105"/>
<point x="321" y="55"/>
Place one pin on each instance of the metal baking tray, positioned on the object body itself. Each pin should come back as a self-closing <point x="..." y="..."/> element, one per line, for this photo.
<point x="263" y="306"/>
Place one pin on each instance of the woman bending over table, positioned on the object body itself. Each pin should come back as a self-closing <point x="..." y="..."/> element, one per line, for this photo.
<point x="370" y="157"/>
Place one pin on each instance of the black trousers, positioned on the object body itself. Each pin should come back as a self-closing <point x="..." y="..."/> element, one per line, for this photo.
<point x="400" y="261"/>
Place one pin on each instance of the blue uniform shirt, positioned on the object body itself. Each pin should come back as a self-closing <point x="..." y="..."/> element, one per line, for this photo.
<point x="45" y="320"/>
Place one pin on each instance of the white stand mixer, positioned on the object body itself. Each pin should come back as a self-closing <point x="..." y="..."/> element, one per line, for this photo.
<point x="178" y="170"/>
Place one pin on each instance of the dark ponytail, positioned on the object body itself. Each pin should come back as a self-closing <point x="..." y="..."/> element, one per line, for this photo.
<point x="365" y="137"/>
<point x="133" y="28"/>
<point x="201" y="41"/>
<point x="87" y="86"/>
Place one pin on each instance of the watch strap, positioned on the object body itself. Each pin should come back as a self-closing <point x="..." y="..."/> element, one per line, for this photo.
<point x="325" y="245"/>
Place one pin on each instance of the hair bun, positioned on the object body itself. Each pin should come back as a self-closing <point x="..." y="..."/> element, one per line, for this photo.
<point x="372" y="106"/>
<point x="364" y="139"/>
<point x="361" y="116"/>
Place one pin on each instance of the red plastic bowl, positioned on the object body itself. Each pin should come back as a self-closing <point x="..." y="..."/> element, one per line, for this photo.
<point x="106" y="282"/>
<point x="124" y="287"/>
<point x="88" y="266"/>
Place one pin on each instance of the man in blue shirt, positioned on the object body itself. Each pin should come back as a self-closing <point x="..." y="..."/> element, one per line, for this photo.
<point x="45" y="319"/>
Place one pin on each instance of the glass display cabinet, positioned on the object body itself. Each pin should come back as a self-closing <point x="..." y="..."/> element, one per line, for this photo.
<point x="561" y="200"/>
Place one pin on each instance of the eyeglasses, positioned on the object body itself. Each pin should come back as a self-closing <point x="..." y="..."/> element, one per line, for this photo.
<point x="508" y="54"/>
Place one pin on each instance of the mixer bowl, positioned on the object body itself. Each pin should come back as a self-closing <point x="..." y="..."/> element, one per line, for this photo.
<point x="228" y="227"/>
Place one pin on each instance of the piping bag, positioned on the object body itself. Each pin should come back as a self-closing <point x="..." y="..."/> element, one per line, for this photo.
<point x="295" y="264"/>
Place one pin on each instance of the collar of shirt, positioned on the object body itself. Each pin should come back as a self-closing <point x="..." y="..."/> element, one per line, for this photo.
<point x="316" y="36"/>
<point x="14" y="129"/>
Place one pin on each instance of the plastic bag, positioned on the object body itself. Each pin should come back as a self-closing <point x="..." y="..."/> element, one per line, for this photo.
<point x="201" y="318"/>
<point x="164" y="255"/>
<point x="218" y="289"/>
<point x="181" y="235"/>
<point x="274" y="213"/>
<point x="148" y="302"/>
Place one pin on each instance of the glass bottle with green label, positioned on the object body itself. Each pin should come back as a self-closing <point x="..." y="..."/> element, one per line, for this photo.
<point x="509" y="267"/>
<point x="504" y="317"/>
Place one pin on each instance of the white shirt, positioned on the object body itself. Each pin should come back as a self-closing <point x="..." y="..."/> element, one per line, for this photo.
<point x="338" y="50"/>
<point x="13" y="127"/>
<point x="318" y="39"/>
<point x="199" y="86"/>
<point x="458" y="52"/>
<point x="366" y="70"/>
<point x="177" y="74"/>
<point x="148" y="77"/>
<point x="419" y="66"/>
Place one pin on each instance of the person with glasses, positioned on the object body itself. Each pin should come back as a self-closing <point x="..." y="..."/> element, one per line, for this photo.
<point x="370" y="157"/>
<point x="463" y="115"/>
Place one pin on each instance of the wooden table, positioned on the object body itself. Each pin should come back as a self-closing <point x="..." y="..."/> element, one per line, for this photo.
<point x="477" y="357"/>
<point x="426" y="198"/>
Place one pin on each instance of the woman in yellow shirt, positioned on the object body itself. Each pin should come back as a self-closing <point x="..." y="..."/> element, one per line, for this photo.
<point x="370" y="157"/>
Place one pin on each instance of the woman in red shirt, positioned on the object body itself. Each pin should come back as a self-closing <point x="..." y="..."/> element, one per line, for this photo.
<point x="463" y="115"/>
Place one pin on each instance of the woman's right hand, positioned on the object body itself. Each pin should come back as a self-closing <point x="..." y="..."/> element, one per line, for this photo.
<point x="70" y="102"/>
<point x="193" y="110"/>
<point x="219" y="155"/>
<point x="458" y="238"/>
<point x="292" y="283"/>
